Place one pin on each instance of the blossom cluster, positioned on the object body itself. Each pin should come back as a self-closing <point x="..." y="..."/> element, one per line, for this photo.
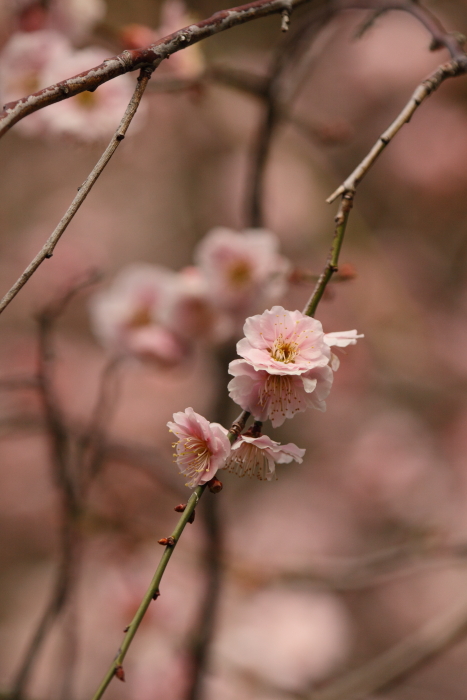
<point x="286" y="365"/>
<point x="41" y="51"/>
<point x="154" y="313"/>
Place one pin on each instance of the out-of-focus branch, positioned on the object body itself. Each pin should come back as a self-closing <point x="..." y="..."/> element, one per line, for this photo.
<point x="393" y="666"/>
<point x="62" y="470"/>
<point x="279" y="107"/>
<point x="48" y="248"/>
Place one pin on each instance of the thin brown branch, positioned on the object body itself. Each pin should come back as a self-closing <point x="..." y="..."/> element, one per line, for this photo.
<point x="424" y="90"/>
<point x="48" y="248"/>
<point x="152" y="55"/>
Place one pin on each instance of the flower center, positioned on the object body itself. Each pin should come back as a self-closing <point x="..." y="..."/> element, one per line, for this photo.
<point x="284" y="350"/>
<point x="141" y="317"/>
<point x="195" y="454"/>
<point x="240" y="273"/>
<point x="86" y="99"/>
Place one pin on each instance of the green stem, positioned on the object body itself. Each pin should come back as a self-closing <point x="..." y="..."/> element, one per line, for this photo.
<point x="333" y="257"/>
<point x="153" y="590"/>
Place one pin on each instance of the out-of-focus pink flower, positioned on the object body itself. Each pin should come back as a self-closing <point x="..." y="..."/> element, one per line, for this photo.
<point x="24" y="60"/>
<point x="76" y="18"/>
<point x="258" y="456"/>
<point x="289" y="638"/>
<point x="189" y="311"/>
<point x="283" y="342"/>
<point x="277" y="397"/>
<point x="89" y="116"/>
<point x="202" y="447"/>
<point x="242" y="269"/>
<point x="188" y="63"/>
<point x="125" y="317"/>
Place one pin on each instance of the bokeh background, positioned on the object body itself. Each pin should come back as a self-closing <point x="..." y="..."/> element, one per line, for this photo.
<point x="303" y="579"/>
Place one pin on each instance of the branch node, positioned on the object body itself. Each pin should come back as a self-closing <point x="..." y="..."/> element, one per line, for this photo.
<point x="285" y="20"/>
<point x="120" y="137"/>
<point x="120" y="673"/>
<point x="167" y="541"/>
<point x="156" y="595"/>
<point x="215" y="486"/>
<point x="126" y="629"/>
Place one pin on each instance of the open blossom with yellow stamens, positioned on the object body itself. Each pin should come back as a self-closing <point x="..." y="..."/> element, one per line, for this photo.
<point x="242" y="268"/>
<point x="284" y="342"/>
<point x="258" y="455"/>
<point x="202" y="447"/>
<point x="277" y="397"/>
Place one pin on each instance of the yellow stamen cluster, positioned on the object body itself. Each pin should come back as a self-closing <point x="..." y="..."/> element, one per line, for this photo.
<point x="284" y="350"/>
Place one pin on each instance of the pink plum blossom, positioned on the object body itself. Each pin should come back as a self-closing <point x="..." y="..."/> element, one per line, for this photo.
<point x="189" y="312"/>
<point x="125" y="317"/>
<point x="24" y="62"/>
<point x="283" y="342"/>
<point x="242" y="268"/>
<point x="258" y="456"/>
<point x="202" y="447"/>
<point x="277" y="397"/>
<point x="89" y="116"/>
<point x="76" y="18"/>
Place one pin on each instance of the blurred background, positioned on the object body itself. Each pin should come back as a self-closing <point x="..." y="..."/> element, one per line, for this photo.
<point x="277" y="589"/>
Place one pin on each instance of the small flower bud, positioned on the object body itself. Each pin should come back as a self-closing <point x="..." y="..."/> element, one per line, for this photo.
<point x="167" y="541"/>
<point x="215" y="485"/>
<point x="180" y="508"/>
<point x="120" y="673"/>
<point x="156" y="595"/>
<point x="126" y="629"/>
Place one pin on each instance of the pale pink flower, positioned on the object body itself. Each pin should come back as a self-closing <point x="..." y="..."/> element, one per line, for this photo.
<point x="283" y="342"/>
<point x="277" y="397"/>
<point x="89" y="116"/>
<point x="76" y="17"/>
<point x="126" y="316"/>
<point x="24" y="62"/>
<point x="258" y="456"/>
<point x="242" y="268"/>
<point x="340" y="339"/>
<point x="188" y="63"/>
<point x="189" y="312"/>
<point x="202" y="447"/>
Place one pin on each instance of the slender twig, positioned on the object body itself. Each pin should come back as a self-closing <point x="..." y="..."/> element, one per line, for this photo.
<point x="424" y="90"/>
<point x="48" y="248"/>
<point x="153" y="54"/>
<point x="59" y="436"/>
<point x="153" y="591"/>
<point x="333" y="258"/>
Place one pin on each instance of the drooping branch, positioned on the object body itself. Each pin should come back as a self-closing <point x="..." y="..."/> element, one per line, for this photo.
<point x="83" y="191"/>
<point x="152" y="593"/>
<point x="424" y="90"/>
<point x="152" y="55"/>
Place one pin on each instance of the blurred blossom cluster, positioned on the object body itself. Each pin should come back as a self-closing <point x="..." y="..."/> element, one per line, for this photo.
<point x="41" y="50"/>
<point x="154" y="313"/>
